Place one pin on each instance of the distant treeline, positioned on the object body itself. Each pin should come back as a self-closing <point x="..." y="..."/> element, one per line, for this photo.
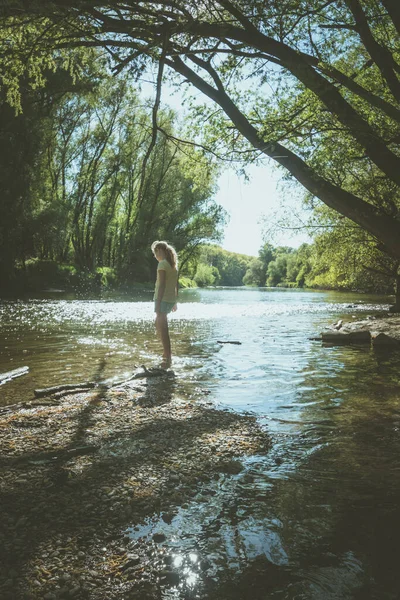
<point x="324" y="264"/>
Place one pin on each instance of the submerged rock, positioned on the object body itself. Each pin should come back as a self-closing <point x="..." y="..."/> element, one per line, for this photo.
<point x="170" y="578"/>
<point x="383" y="339"/>
<point x="383" y="331"/>
<point x="168" y="517"/>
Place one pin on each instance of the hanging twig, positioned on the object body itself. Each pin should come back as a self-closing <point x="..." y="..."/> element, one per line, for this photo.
<point x="156" y="106"/>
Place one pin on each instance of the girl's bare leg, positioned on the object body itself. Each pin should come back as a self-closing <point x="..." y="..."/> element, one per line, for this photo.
<point x="163" y="332"/>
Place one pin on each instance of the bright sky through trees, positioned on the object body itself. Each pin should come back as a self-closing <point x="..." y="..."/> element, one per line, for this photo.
<point x="255" y="205"/>
<point x="250" y="203"/>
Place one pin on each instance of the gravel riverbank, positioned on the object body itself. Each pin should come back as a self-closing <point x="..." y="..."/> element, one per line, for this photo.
<point x="78" y="474"/>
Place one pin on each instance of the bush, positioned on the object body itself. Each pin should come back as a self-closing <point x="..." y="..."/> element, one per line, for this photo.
<point x="186" y="282"/>
<point x="41" y="274"/>
<point x="206" y="275"/>
<point x="107" y="277"/>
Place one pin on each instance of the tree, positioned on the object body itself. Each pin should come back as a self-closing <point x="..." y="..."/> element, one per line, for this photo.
<point x="333" y="66"/>
<point x="24" y="172"/>
<point x="80" y="151"/>
<point x="206" y="275"/>
<point x="277" y="268"/>
<point x="255" y="274"/>
<point x="230" y="266"/>
<point x="343" y="256"/>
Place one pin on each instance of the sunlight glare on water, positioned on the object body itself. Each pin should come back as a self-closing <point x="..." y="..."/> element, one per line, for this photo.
<point x="315" y="518"/>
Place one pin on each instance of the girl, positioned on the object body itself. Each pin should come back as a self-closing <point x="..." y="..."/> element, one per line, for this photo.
<point x="165" y="294"/>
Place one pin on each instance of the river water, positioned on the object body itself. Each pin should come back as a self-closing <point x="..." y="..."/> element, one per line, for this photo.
<point x="318" y="517"/>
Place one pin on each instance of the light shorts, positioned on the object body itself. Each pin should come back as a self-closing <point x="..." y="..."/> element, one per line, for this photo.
<point x="165" y="307"/>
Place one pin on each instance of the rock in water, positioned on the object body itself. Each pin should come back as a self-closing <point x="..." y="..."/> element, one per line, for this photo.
<point x="342" y="337"/>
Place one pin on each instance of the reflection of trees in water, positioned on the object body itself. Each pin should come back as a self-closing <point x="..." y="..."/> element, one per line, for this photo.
<point x="335" y="507"/>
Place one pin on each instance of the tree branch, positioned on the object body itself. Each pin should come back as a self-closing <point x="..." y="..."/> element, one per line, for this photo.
<point x="353" y="207"/>
<point x="380" y="55"/>
<point x="154" y="128"/>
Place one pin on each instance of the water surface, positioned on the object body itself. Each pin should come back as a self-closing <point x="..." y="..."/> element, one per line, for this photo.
<point x="318" y="517"/>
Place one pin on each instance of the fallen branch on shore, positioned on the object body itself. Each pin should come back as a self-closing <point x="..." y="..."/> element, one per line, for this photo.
<point x="229" y="342"/>
<point x="58" y="391"/>
<point x="64" y="387"/>
<point x="75" y="390"/>
<point x="5" y="377"/>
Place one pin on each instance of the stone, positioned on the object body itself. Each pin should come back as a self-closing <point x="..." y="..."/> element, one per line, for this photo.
<point x="75" y="590"/>
<point x="232" y="467"/>
<point x="170" y="577"/>
<point x="158" y="538"/>
<point x="382" y="339"/>
<point x="167" y="517"/>
<point x="346" y="337"/>
<point x="132" y="560"/>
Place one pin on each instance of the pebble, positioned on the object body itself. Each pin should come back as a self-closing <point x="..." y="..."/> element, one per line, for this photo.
<point x="75" y="590"/>
<point x="170" y="577"/>
<point x="133" y="559"/>
<point x="138" y="488"/>
<point x="167" y="517"/>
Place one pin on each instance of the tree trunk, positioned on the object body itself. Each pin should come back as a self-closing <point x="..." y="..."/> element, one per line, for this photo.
<point x="396" y="305"/>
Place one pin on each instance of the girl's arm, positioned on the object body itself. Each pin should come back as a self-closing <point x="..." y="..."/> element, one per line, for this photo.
<point x="176" y="298"/>
<point x="161" y="288"/>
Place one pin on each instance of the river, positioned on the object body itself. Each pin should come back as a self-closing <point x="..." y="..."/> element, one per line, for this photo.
<point x="318" y="516"/>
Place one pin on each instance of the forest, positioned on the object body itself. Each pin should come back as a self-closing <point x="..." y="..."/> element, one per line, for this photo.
<point x="83" y="208"/>
<point x="102" y="172"/>
<point x="243" y="442"/>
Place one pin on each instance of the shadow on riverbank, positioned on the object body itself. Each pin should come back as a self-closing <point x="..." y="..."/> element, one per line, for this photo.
<point x="77" y="474"/>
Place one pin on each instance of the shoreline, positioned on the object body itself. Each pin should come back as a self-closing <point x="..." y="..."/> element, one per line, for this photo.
<point x="381" y="330"/>
<point x="80" y="473"/>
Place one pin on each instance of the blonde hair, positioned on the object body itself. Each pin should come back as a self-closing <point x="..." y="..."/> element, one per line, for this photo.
<point x="170" y="252"/>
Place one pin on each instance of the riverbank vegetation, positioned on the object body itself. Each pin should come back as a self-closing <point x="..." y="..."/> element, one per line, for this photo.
<point x="82" y="196"/>
<point x="339" y="259"/>
<point x="313" y="87"/>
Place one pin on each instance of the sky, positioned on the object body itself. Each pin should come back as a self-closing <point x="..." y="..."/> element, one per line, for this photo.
<point x="255" y="209"/>
<point x="253" y="205"/>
